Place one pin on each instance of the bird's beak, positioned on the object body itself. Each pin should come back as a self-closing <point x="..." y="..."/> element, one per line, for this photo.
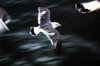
<point x="60" y="25"/>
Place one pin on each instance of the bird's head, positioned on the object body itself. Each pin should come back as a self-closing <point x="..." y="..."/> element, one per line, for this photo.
<point x="56" y="24"/>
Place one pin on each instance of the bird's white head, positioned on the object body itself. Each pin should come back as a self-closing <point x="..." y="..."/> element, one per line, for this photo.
<point x="55" y="24"/>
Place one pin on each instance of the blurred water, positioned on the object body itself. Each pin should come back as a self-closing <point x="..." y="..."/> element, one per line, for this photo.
<point x="80" y="36"/>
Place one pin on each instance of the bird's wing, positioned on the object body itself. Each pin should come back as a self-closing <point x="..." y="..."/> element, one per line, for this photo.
<point x="54" y="37"/>
<point x="43" y="15"/>
<point x="3" y="27"/>
<point x="88" y="7"/>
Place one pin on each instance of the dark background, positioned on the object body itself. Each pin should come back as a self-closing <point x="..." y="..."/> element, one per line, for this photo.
<point x="80" y="35"/>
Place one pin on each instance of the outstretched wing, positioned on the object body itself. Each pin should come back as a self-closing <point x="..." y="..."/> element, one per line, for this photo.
<point x="48" y="29"/>
<point x="54" y="37"/>
<point x="43" y="15"/>
<point x="3" y="27"/>
<point x="88" y="7"/>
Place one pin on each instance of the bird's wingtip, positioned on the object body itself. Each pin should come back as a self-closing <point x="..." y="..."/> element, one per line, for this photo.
<point x="32" y="31"/>
<point x="58" y="47"/>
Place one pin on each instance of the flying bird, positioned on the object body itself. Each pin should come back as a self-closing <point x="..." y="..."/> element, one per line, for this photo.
<point x="4" y="20"/>
<point x="47" y="28"/>
<point x="88" y="7"/>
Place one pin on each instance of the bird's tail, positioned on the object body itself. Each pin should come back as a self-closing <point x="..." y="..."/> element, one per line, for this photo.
<point x="34" y="31"/>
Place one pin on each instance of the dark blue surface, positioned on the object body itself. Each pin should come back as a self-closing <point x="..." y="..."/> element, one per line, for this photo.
<point x="80" y="35"/>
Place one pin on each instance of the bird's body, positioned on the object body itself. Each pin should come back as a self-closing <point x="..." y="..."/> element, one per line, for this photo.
<point x="47" y="28"/>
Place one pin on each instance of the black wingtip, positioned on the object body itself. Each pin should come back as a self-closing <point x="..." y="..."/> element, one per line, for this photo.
<point x="32" y="31"/>
<point x="78" y="6"/>
<point x="81" y="8"/>
<point x="58" y="48"/>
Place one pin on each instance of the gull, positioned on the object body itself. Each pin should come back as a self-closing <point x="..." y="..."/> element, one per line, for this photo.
<point x="88" y="7"/>
<point x="47" y="28"/>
